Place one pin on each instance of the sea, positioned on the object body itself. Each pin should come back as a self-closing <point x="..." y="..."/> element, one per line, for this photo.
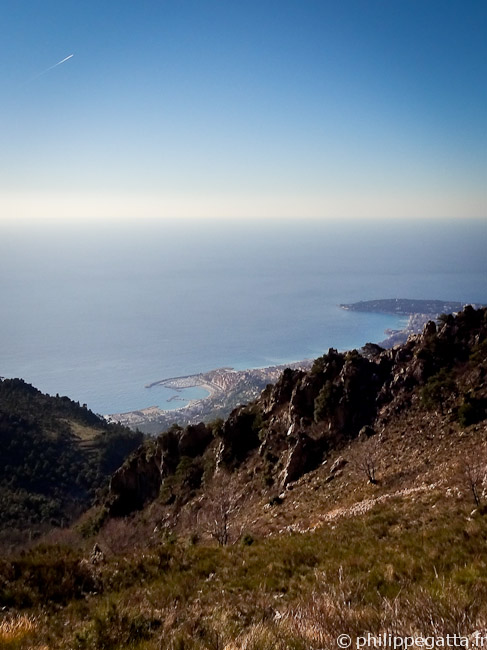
<point x="97" y="310"/>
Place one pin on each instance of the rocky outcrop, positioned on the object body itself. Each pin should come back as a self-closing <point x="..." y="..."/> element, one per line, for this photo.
<point x="366" y="432"/>
<point x="140" y="478"/>
<point x="304" y="455"/>
<point x="294" y="423"/>
<point x="280" y="394"/>
<point x="302" y="402"/>
<point x="240" y="435"/>
<point x="136" y="482"/>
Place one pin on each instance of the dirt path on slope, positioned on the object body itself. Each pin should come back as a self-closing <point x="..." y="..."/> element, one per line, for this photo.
<point x="361" y="507"/>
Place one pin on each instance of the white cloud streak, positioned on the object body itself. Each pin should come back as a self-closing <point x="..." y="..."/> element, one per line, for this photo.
<point x="51" y="67"/>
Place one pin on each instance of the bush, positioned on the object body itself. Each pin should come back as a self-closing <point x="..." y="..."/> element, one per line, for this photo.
<point x="438" y="389"/>
<point x="473" y="410"/>
<point x="326" y="401"/>
<point x="247" y="540"/>
<point x="47" y="574"/>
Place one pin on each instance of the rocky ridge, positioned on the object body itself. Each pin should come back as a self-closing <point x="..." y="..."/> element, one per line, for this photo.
<point x="227" y="387"/>
<point x="295" y="425"/>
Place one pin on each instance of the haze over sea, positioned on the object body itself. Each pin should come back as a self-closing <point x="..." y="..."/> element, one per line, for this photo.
<point x="97" y="310"/>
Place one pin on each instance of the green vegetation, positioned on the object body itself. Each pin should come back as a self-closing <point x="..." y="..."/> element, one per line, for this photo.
<point x="412" y="564"/>
<point x="326" y="401"/>
<point x="438" y="389"/>
<point x="473" y="410"/>
<point x="220" y="537"/>
<point x="56" y="456"/>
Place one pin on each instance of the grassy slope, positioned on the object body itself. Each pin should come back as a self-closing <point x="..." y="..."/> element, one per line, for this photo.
<point x="416" y="566"/>
<point x="409" y="561"/>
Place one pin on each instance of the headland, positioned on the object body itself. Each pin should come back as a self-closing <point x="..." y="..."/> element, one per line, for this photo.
<point x="227" y="387"/>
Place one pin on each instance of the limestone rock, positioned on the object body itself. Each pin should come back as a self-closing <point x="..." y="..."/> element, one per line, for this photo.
<point x="305" y="455"/>
<point x="135" y="483"/>
<point x="338" y="464"/>
<point x="239" y="435"/>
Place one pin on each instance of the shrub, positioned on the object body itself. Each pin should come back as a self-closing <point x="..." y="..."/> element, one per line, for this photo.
<point x="473" y="410"/>
<point x="247" y="540"/>
<point x="326" y="401"/>
<point x="438" y="389"/>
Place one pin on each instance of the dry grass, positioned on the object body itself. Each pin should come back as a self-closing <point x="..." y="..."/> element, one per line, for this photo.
<point x="14" y="630"/>
<point x="261" y="636"/>
<point x="403" y="567"/>
<point x="404" y="556"/>
<point x="322" y="617"/>
<point x="84" y="432"/>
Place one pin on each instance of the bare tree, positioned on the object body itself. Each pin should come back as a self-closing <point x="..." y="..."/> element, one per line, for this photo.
<point x="218" y="525"/>
<point x="474" y="476"/>
<point x="365" y="459"/>
<point x="215" y="517"/>
<point x="368" y="465"/>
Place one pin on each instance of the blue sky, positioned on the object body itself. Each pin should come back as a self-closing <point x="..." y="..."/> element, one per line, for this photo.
<point x="226" y="108"/>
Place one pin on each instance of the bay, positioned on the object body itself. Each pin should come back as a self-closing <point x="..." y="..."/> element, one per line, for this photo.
<point x="98" y="310"/>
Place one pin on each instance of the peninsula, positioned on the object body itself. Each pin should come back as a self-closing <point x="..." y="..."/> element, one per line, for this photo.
<point x="406" y="307"/>
<point x="418" y="311"/>
<point x="227" y="387"/>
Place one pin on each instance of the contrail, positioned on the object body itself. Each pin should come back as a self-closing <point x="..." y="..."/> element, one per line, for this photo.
<point x="50" y="68"/>
<point x="68" y="57"/>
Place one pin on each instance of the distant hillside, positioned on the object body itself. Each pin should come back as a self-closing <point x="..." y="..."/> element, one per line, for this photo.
<point x="55" y="455"/>
<point x="406" y="307"/>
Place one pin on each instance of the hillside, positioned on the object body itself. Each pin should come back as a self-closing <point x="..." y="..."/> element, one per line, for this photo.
<point x="295" y="424"/>
<point x="227" y="387"/>
<point x="55" y="455"/>
<point x="406" y="306"/>
<point x="349" y="499"/>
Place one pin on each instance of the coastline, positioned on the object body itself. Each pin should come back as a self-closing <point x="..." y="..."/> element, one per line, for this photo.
<point x="227" y="387"/>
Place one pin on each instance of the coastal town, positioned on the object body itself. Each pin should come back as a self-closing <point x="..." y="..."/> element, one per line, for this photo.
<point x="228" y="387"/>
